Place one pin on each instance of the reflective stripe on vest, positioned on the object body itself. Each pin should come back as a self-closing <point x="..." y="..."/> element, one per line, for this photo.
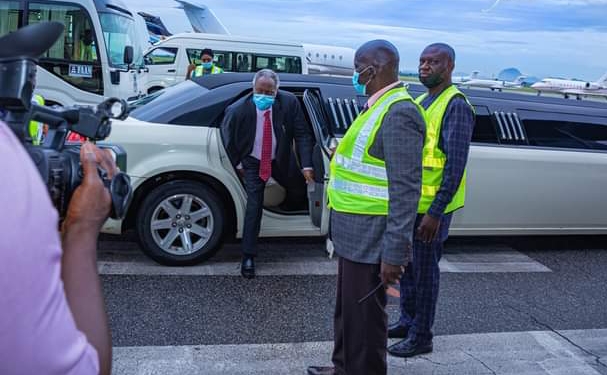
<point x="199" y="71"/>
<point x="358" y="181"/>
<point x="361" y="168"/>
<point x="434" y="159"/>
<point x="360" y="189"/>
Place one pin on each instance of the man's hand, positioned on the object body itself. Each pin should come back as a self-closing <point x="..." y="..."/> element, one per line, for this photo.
<point x="390" y="274"/>
<point x="191" y="68"/>
<point x="428" y="228"/>
<point x="91" y="203"/>
<point x="309" y="175"/>
<point x="89" y="208"/>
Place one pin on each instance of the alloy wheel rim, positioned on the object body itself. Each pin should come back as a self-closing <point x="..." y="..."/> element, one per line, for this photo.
<point x="182" y="224"/>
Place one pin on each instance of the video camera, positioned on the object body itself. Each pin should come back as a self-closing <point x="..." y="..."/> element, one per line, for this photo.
<point x="58" y="162"/>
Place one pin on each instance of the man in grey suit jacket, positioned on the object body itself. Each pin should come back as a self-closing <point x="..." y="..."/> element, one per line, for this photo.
<point x="258" y="132"/>
<point x="374" y="198"/>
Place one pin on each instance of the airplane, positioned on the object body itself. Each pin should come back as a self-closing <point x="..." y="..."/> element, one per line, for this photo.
<point x="332" y="60"/>
<point x="153" y="26"/>
<point x="570" y="87"/>
<point x="493" y="84"/>
<point x="322" y="59"/>
<point x="202" y="18"/>
<point x="461" y="78"/>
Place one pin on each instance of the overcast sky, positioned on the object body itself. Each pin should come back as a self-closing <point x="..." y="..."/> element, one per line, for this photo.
<point x="564" y="38"/>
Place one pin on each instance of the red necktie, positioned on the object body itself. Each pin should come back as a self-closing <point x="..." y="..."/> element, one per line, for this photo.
<point x="265" y="164"/>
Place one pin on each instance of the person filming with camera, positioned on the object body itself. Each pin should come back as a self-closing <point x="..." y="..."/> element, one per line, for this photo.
<point x="52" y="316"/>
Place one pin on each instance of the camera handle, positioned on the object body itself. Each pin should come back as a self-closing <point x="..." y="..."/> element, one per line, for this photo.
<point x="120" y="191"/>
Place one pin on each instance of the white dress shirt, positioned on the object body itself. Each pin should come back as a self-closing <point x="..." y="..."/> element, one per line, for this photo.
<point x="256" y="153"/>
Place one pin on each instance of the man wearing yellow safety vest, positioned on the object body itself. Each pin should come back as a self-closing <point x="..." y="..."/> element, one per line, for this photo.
<point x="207" y="66"/>
<point x="374" y="189"/>
<point x="449" y="123"/>
<point x="36" y="129"/>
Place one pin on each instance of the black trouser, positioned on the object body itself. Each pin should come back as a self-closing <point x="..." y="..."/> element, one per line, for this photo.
<point x="254" y="187"/>
<point x="419" y="286"/>
<point x="292" y="182"/>
<point x="361" y="330"/>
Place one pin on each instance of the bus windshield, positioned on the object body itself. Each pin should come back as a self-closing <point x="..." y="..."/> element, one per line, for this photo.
<point x="119" y="32"/>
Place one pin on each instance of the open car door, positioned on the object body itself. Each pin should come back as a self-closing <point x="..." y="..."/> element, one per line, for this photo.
<point x="329" y="121"/>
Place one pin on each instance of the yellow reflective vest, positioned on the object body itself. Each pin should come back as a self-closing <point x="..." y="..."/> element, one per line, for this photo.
<point x="358" y="182"/>
<point x="434" y="159"/>
<point x="87" y="53"/>
<point x="36" y="128"/>
<point x="199" y="71"/>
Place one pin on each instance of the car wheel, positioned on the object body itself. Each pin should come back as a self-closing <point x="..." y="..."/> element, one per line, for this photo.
<point x="180" y="223"/>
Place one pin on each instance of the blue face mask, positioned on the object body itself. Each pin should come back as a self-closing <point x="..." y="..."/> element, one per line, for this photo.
<point x="360" y="88"/>
<point x="207" y="65"/>
<point x="263" y="102"/>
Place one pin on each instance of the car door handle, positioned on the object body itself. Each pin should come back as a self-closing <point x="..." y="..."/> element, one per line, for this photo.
<point x="171" y="70"/>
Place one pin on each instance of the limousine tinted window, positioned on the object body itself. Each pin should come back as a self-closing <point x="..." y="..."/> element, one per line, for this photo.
<point x="484" y="127"/>
<point x="566" y="134"/>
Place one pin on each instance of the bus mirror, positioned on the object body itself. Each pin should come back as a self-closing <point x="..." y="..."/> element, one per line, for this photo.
<point x="128" y="55"/>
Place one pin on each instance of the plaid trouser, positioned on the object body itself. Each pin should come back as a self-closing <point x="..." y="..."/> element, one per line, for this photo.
<point x="420" y="283"/>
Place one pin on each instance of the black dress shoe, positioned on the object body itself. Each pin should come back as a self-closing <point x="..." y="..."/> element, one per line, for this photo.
<point x="319" y="370"/>
<point x="247" y="269"/>
<point x="397" y="330"/>
<point x="410" y="347"/>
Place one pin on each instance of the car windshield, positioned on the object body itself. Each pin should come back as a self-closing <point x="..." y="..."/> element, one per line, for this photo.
<point x="144" y="100"/>
<point x="166" y="104"/>
<point x="119" y="32"/>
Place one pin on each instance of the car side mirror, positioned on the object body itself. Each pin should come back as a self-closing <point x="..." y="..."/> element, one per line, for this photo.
<point x="128" y="55"/>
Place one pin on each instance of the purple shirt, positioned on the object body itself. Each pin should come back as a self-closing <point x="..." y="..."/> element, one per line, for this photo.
<point x="38" y="334"/>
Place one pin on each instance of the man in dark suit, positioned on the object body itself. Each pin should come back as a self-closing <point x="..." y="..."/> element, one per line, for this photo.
<point x="258" y="132"/>
<point x="374" y="189"/>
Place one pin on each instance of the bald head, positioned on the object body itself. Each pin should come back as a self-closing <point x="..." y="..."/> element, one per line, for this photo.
<point x="443" y="48"/>
<point x="377" y="62"/>
<point x="381" y="54"/>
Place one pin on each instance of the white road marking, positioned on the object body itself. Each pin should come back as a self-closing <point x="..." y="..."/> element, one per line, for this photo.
<point x="457" y="262"/>
<point x="521" y="353"/>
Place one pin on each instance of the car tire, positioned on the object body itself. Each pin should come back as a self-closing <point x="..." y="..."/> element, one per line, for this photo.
<point x="173" y="234"/>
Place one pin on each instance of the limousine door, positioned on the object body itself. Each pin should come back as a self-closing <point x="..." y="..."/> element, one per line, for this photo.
<point x="330" y="118"/>
<point x="317" y="198"/>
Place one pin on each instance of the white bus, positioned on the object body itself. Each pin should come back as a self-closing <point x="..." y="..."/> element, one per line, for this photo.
<point x="98" y="56"/>
<point x="168" y="60"/>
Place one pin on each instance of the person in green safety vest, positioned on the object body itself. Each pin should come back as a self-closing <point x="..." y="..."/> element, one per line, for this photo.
<point x="36" y="128"/>
<point x="86" y="46"/>
<point x="449" y="124"/>
<point x="374" y="189"/>
<point x="206" y="67"/>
